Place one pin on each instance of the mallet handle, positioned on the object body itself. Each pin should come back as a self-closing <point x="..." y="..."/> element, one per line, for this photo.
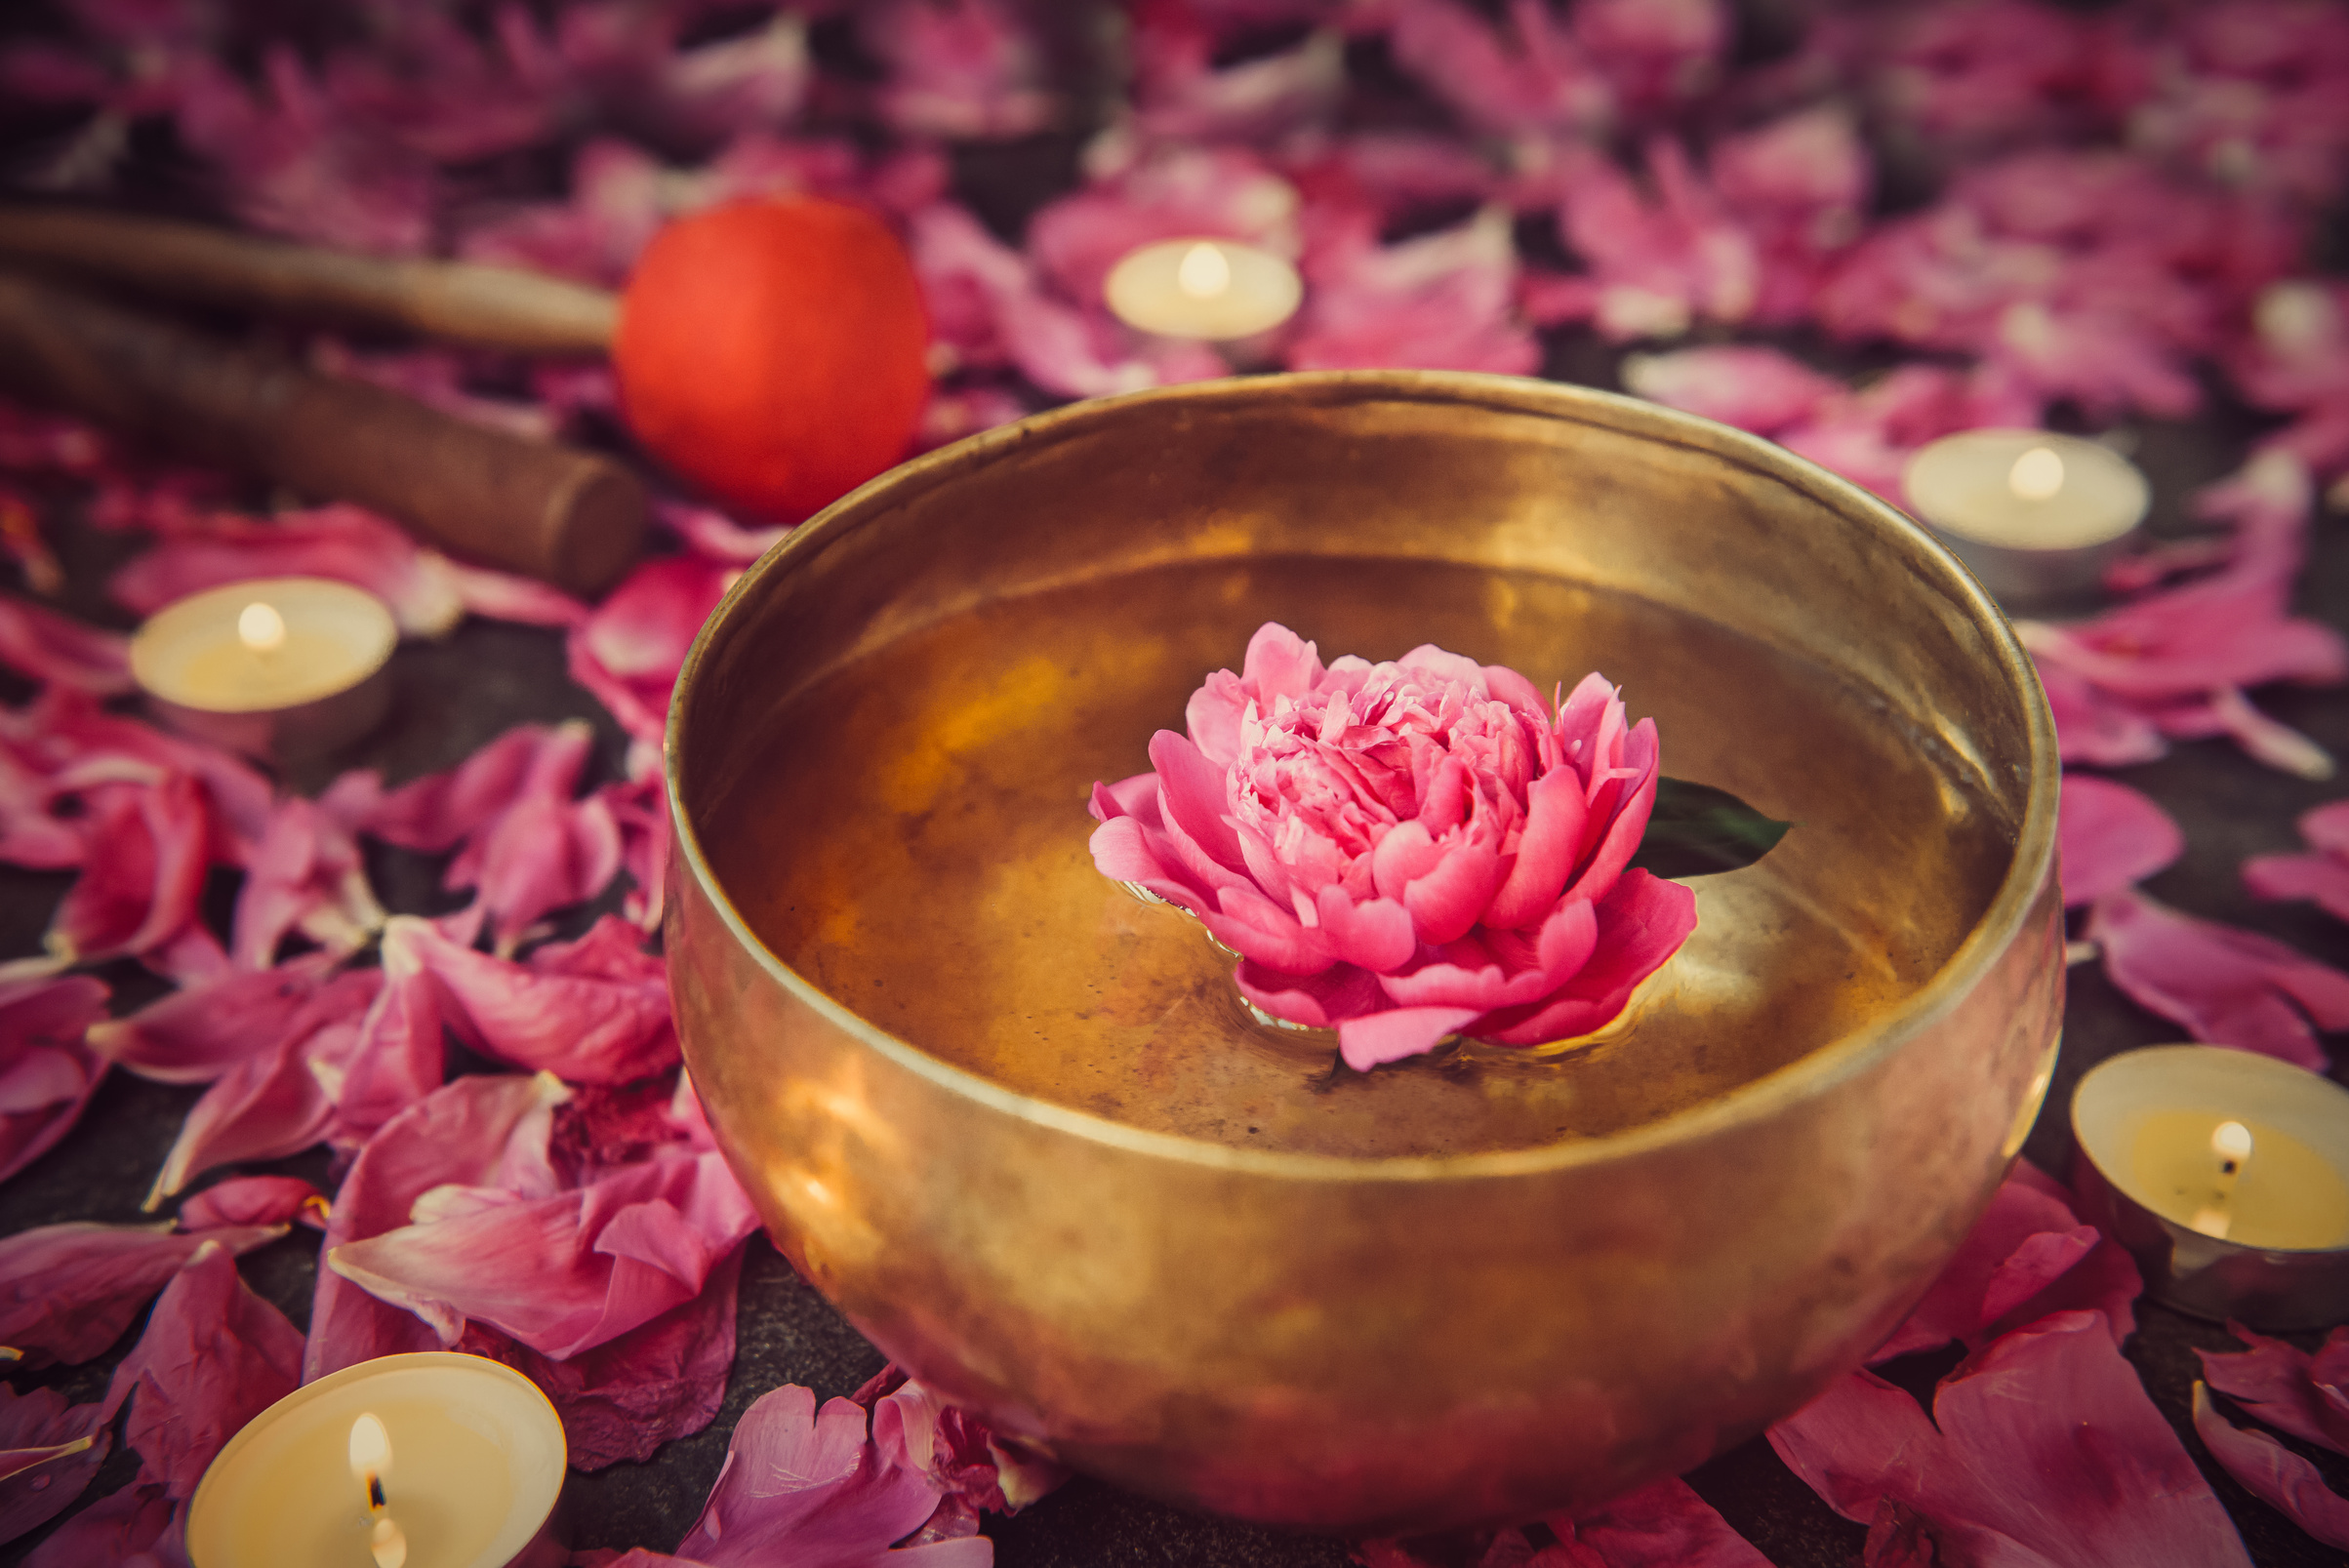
<point x="497" y="308"/>
<point x="572" y="518"/>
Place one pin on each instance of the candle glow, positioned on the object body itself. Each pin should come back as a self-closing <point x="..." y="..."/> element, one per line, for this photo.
<point x="259" y="628"/>
<point x="2036" y="475"/>
<point x="1204" y="273"/>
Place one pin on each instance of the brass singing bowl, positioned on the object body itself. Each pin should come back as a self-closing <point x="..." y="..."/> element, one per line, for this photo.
<point x="1016" y="1125"/>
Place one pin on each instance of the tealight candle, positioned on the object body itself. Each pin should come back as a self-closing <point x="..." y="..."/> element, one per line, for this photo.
<point x="2226" y="1175"/>
<point x="1210" y="289"/>
<point x="2036" y="516"/>
<point x="275" y="667"/>
<point x="440" y="1459"/>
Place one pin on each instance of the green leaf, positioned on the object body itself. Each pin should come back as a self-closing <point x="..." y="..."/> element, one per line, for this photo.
<point x="1697" y="830"/>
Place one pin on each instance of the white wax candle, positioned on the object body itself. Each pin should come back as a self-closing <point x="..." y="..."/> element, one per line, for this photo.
<point x="257" y="647"/>
<point x="1210" y="289"/>
<point x="2163" y="1125"/>
<point x="2025" y="490"/>
<point x="475" y="1458"/>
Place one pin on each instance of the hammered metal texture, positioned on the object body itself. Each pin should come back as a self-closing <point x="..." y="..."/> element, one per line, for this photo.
<point x="1014" y="1125"/>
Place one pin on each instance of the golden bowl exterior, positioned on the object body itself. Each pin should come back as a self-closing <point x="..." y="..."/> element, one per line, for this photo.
<point x="1397" y="1343"/>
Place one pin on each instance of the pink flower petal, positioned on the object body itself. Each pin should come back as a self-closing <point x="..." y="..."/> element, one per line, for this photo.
<point x="2273" y="1473"/>
<point x="625" y="1397"/>
<point x="441" y="810"/>
<point x="68" y="1290"/>
<point x="1641" y="924"/>
<point x="1552" y="842"/>
<point x="48" y="1072"/>
<point x="2110" y="837"/>
<point x="595" y="1011"/>
<point x="254" y="1200"/>
<point x="2047" y="1448"/>
<point x="307" y="875"/>
<point x="1320" y="1001"/>
<point x="148" y="850"/>
<point x="1754" y="388"/>
<point x="2321" y="879"/>
<point x="574" y="1269"/>
<point x="47" y="646"/>
<point x="461" y="1134"/>
<point x="1663" y="1522"/>
<point x="214" y="1355"/>
<point x="49" y="1452"/>
<point x="123" y="1527"/>
<point x="1397" y="1033"/>
<point x="629" y="651"/>
<point x="2226" y="985"/>
<point x="2026" y="1257"/>
<point x="808" y="1487"/>
<point x="196" y="1034"/>
<point x="2282" y="1385"/>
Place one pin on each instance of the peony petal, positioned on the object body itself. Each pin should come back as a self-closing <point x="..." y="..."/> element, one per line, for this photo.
<point x="68" y="1290"/>
<point x="1375" y="934"/>
<point x="595" y="1011"/>
<point x="1190" y="793"/>
<point x="2227" y="987"/>
<point x="2026" y="1257"/>
<point x="1641" y="924"/>
<point x="214" y="1355"/>
<point x="195" y="1034"/>
<point x="2321" y="879"/>
<point x="2110" y="837"/>
<point x="2273" y="1473"/>
<point x="625" y="1397"/>
<point x="573" y="1271"/>
<point x="1663" y="1522"/>
<point x="1568" y="939"/>
<point x="461" y="1133"/>
<point x="1256" y="928"/>
<point x="1634" y="805"/>
<point x="254" y="1200"/>
<point x="1546" y="852"/>
<point x="49" y="1452"/>
<point x="1445" y="901"/>
<point x="808" y="1487"/>
<point x="39" y="642"/>
<point x="1397" y="1033"/>
<point x="2279" y="1384"/>
<point x="48" y="1072"/>
<point x="2047" y="1449"/>
<point x="123" y="1527"/>
<point x="1279" y="663"/>
<point x="1320" y="1001"/>
<point x="149" y="848"/>
<point x="1405" y="854"/>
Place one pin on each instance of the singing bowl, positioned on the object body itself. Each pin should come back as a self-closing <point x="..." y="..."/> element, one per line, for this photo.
<point x="1016" y="1125"/>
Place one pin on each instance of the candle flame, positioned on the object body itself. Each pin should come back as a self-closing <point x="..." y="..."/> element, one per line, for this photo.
<point x="370" y="1457"/>
<point x="259" y="628"/>
<point x="2036" y="475"/>
<point x="2231" y="1140"/>
<point x="1203" y="273"/>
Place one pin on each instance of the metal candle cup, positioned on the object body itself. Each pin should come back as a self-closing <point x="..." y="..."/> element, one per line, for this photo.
<point x="276" y="667"/>
<point x="2141" y="1119"/>
<point x="2036" y="516"/>
<point x="477" y="1462"/>
<point x="1370" y="1326"/>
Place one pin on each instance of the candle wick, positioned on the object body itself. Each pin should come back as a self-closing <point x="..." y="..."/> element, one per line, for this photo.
<point x="375" y="1494"/>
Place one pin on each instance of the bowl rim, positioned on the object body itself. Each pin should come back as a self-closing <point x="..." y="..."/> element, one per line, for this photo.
<point x="1806" y="1078"/>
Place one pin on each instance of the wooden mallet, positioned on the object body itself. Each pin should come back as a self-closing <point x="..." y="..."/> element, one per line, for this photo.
<point x="772" y="350"/>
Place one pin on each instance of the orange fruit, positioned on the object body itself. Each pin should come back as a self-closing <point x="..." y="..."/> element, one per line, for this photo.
<point x="773" y="351"/>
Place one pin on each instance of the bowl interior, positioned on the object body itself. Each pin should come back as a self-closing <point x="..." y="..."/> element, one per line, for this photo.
<point x="889" y="745"/>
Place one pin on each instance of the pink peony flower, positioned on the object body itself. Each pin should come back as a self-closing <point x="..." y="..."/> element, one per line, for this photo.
<point x="1408" y="850"/>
